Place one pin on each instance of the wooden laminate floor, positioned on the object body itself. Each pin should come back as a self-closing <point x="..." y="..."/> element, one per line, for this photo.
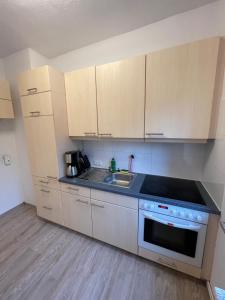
<point x="40" y="260"/>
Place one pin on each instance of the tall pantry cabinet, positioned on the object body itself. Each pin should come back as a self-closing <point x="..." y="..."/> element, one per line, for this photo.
<point x="43" y="105"/>
<point x="6" y="108"/>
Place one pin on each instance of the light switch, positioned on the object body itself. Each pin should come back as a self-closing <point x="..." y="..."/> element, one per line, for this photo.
<point x="6" y="159"/>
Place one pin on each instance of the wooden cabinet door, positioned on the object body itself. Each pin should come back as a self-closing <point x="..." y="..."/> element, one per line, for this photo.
<point x="34" y="81"/>
<point x="37" y="104"/>
<point x="81" y="102"/>
<point x="4" y="90"/>
<point x="120" y="98"/>
<point x="179" y="90"/>
<point x="77" y="213"/>
<point x="49" y="204"/>
<point x="115" y="225"/>
<point x="42" y="146"/>
<point x="6" y="109"/>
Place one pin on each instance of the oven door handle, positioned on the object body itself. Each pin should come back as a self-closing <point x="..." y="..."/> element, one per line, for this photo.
<point x="173" y="224"/>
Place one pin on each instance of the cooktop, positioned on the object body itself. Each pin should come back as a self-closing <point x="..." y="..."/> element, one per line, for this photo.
<point x="173" y="188"/>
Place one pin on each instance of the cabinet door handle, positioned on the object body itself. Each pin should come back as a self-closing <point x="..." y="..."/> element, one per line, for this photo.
<point x="105" y="134"/>
<point x="90" y="133"/>
<point x="97" y="205"/>
<point x="46" y="207"/>
<point x="154" y="133"/>
<point x="51" y="177"/>
<point x="35" y="113"/>
<point x="32" y="91"/>
<point x="72" y="189"/>
<point x="45" y="191"/>
<point x="42" y="181"/>
<point x="82" y="201"/>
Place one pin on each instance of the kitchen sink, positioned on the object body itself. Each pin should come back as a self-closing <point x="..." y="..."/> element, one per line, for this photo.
<point x="120" y="179"/>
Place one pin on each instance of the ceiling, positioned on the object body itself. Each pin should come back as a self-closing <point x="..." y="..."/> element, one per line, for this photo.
<point x="53" y="27"/>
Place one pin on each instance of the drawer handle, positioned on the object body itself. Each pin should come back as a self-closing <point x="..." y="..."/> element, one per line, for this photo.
<point x="35" y="113"/>
<point x="155" y="133"/>
<point x="46" y="207"/>
<point x="42" y="181"/>
<point x="32" y="91"/>
<point x="89" y="133"/>
<point x="105" y="134"/>
<point x="72" y="189"/>
<point x="51" y="177"/>
<point x="97" y="205"/>
<point x="162" y="261"/>
<point x="81" y="201"/>
<point x="45" y="191"/>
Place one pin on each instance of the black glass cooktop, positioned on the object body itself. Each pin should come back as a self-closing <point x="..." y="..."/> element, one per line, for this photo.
<point x="173" y="188"/>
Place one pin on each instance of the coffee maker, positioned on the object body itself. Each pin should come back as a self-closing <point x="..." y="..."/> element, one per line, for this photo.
<point x="75" y="163"/>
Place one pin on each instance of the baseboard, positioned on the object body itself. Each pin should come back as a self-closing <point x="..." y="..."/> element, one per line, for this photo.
<point x="210" y="290"/>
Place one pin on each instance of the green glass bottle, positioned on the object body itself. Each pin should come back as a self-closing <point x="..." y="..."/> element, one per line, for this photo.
<point x="113" y="165"/>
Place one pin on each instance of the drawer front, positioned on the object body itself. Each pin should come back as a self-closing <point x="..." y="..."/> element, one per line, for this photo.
<point x="76" y="190"/>
<point x="116" y="199"/>
<point x="6" y="109"/>
<point x="49" y="204"/>
<point x="46" y="182"/>
<point x="37" y="105"/>
<point x="77" y="213"/>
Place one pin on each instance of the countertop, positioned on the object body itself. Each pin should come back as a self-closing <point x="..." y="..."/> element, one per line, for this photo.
<point x="134" y="191"/>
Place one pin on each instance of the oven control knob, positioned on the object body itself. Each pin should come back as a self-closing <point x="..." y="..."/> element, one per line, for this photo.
<point x="146" y="206"/>
<point x="199" y="218"/>
<point x="174" y="212"/>
<point x="152" y="206"/>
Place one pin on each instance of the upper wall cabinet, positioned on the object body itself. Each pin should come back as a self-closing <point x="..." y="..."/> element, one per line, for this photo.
<point x="81" y="102"/>
<point x="6" y="108"/>
<point x="39" y="80"/>
<point x="120" y="98"/>
<point x="179" y="90"/>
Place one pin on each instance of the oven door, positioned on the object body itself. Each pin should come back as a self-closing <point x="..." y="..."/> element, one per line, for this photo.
<point x="172" y="237"/>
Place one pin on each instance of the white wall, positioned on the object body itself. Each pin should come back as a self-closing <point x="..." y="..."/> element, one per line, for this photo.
<point x="2" y="72"/>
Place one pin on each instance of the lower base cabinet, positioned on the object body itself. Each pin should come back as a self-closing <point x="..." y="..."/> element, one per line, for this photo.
<point x="115" y="225"/>
<point x="49" y="204"/>
<point x="77" y="213"/>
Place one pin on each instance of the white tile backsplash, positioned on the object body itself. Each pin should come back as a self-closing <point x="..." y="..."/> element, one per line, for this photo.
<point x="169" y="159"/>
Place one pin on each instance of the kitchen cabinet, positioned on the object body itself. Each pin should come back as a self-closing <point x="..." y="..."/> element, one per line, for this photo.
<point x="121" y="97"/>
<point x="42" y="146"/>
<point x="77" y="213"/>
<point x="45" y="120"/>
<point x="37" y="104"/>
<point x="115" y="225"/>
<point x="6" y="107"/>
<point x="49" y="204"/>
<point x="179" y="90"/>
<point x="81" y="102"/>
<point x="40" y="80"/>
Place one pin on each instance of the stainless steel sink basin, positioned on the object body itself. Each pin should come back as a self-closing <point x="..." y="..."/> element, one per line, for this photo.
<point x="120" y="179"/>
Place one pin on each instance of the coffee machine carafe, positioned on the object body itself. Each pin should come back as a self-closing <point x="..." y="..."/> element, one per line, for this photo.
<point x="70" y="163"/>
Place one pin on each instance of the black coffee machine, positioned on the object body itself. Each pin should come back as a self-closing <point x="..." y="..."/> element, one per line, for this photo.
<point x="75" y="163"/>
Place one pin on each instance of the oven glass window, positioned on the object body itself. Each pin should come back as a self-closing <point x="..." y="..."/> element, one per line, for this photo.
<point x="179" y="240"/>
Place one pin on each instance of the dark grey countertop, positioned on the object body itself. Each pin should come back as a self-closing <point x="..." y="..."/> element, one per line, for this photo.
<point x="134" y="191"/>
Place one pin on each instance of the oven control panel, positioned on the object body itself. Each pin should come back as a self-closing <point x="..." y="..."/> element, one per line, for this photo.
<point x="174" y="211"/>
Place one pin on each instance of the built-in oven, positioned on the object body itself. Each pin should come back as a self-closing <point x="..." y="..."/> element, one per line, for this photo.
<point x="172" y="231"/>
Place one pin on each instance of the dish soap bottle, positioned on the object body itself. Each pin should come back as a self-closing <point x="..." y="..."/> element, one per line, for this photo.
<point x="113" y="165"/>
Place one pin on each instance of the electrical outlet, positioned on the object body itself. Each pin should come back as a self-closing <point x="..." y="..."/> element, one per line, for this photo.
<point x="6" y="160"/>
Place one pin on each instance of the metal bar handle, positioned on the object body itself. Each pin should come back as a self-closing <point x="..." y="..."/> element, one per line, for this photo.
<point x="97" y="205"/>
<point x="173" y="224"/>
<point x="32" y="90"/>
<point x="105" y="134"/>
<point x="154" y="133"/>
<point x="42" y="181"/>
<point x="72" y="189"/>
<point x="45" y="191"/>
<point x="82" y="201"/>
<point x="46" y="207"/>
<point x="89" y="133"/>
